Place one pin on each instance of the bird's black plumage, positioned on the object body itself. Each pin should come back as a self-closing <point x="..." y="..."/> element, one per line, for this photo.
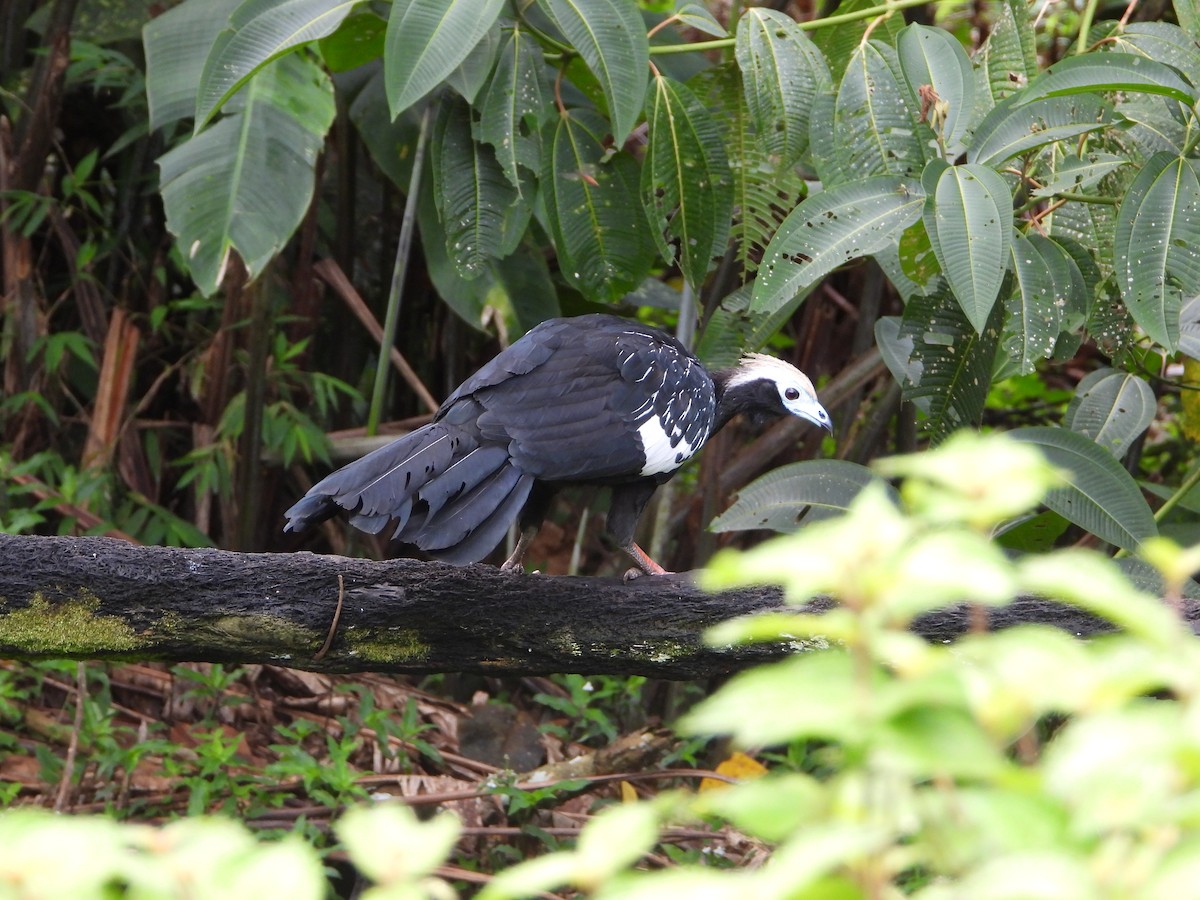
<point x="594" y="399"/>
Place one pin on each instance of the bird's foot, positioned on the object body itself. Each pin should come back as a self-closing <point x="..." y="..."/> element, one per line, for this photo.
<point x="644" y="564"/>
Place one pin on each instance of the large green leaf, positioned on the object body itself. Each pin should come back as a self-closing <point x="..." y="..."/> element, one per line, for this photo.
<point x="782" y="71"/>
<point x="592" y="208"/>
<point x="942" y="364"/>
<point x="426" y="40"/>
<point x="1109" y="72"/>
<point x="1163" y="42"/>
<point x="1111" y="408"/>
<point x="686" y="189"/>
<point x="260" y="31"/>
<point x="970" y="226"/>
<point x="1009" y="130"/>
<point x="933" y="57"/>
<point x="1157" y="245"/>
<point x="1078" y="173"/>
<point x="1034" y="316"/>
<point x="245" y="183"/>
<point x="830" y="229"/>
<point x="1101" y="496"/>
<point x="875" y="128"/>
<point x="611" y="38"/>
<point x="512" y="112"/>
<point x="792" y="496"/>
<point x="1008" y="58"/>
<point x="482" y="212"/>
<point x="177" y="43"/>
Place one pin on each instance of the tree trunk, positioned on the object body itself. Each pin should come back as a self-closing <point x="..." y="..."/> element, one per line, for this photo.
<point x="99" y="598"/>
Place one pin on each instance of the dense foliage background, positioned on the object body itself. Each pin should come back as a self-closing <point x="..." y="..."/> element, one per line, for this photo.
<point x="214" y="214"/>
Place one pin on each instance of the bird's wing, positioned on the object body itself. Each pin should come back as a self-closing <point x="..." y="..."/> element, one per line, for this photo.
<point x="576" y="415"/>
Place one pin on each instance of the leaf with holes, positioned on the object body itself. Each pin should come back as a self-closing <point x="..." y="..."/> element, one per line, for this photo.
<point x="782" y="71"/>
<point x="1008" y="58"/>
<point x="830" y="229"/>
<point x="1157" y="245"/>
<point x="512" y="112"/>
<point x="1106" y="72"/>
<point x="686" y="189"/>
<point x="970" y="226"/>
<point x="1111" y="408"/>
<point x="426" y="40"/>
<point x="1010" y="130"/>
<point x="483" y="214"/>
<point x="1033" y="315"/>
<point x="799" y="494"/>
<point x="1102" y="496"/>
<point x="875" y="128"/>
<point x="592" y="209"/>
<point x="611" y="38"/>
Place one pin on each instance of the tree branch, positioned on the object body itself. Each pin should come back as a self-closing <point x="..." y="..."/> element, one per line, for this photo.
<point x="99" y="598"/>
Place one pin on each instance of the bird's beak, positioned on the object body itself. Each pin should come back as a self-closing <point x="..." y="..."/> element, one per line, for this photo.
<point x="818" y="416"/>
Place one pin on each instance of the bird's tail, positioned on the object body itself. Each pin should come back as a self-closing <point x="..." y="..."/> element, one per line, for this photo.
<point x="446" y="494"/>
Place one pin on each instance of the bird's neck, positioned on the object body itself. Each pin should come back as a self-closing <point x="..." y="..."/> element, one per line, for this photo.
<point x="731" y="401"/>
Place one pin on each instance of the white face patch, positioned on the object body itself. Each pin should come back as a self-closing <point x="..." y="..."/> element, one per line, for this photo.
<point x="796" y="391"/>
<point x="661" y="457"/>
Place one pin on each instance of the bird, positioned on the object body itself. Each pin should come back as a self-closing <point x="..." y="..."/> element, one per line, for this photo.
<point x="593" y="399"/>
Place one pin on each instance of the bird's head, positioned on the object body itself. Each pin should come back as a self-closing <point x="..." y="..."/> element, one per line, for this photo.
<point x="764" y="387"/>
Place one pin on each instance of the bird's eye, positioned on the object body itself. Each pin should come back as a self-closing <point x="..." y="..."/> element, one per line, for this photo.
<point x="792" y="394"/>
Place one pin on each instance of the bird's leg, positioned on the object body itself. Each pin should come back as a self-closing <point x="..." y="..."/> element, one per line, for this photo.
<point x="516" y="562"/>
<point x="644" y="562"/>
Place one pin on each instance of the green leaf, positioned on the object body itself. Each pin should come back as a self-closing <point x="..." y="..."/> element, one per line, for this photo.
<point x="1109" y="72"/>
<point x="1162" y="42"/>
<point x="260" y="31"/>
<point x="1076" y="173"/>
<point x="1008" y="59"/>
<point x="948" y="366"/>
<point x="426" y="40"/>
<point x="611" y="38"/>
<point x="482" y="212"/>
<point x="1010" y="130"/>
<point x="782" y="71"/>
<point x="592" y="208"/>
<point x="1102" y="496"/>
<point x="838" y="44"/>
<point x="970" y="226"/>
<point x="512" y="111"/>
<point x="792" y="496"/>
<point x="830" y="229"/>
<point x="358" y="41"/>
<point x="875" y="127"/>
<point x="1111" y="408"/>
<point x="696" y="15"/>
<point x="245" y="183"/>
<point x="934" y="57"/>
<point x="473" y="72"/>
<point x="1157" y="240"/>
<point x="686" y="189"/>
<point x="1034" y="315"/>
<point x="177" y="44"/>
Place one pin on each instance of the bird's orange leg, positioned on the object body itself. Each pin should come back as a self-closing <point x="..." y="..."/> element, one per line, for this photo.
<point x="643" y="561"/>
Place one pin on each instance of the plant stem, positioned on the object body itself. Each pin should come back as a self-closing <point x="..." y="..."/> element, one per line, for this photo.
<point x="396" y="294"/>
<point x="1085" y="25"/>
<point x="1171" y="502"/>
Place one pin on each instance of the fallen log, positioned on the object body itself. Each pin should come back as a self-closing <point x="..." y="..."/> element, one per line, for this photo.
<point x="100" y="598"/>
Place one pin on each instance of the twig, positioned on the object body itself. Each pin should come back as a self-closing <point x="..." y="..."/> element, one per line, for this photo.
<point x="337" y="615"/>
<point x="64" y="783"/>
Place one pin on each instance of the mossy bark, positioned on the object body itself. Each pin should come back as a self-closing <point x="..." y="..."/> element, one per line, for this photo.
<point x="99" y="598"/>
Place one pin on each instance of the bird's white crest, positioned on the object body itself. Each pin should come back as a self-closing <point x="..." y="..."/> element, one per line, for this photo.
<point x="788" y="379"/>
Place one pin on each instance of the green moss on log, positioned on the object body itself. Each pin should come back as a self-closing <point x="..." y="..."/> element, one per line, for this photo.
<point x="391" y="645"/>
<point x="67" y="627"/>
